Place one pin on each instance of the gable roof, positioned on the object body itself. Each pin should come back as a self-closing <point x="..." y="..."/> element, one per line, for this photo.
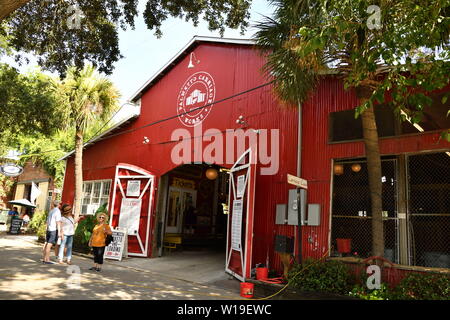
<point x="195" y="41"/>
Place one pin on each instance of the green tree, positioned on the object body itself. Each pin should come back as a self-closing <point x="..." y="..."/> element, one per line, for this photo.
<point x="47" y="150"/>
<point x="405" y="54"/>
<point x="28" y="104"/>
<point x="88" y="97"/>
<point x="55" y="31"/>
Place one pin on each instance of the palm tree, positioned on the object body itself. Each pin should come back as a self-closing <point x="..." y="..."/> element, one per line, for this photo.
<point x="306" y="38"/>
<point x="88" y="97"/>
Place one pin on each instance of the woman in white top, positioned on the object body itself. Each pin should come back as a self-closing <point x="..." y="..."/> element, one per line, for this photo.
<point x="68" y="223"/>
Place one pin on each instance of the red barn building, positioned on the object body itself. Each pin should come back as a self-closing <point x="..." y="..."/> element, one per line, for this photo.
<point x="207" y="160"/>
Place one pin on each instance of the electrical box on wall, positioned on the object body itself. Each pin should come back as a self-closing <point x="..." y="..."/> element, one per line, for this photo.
<point x="294" y="205"/>
<point x="313" y="214"/>
<point x="281" y="214"/>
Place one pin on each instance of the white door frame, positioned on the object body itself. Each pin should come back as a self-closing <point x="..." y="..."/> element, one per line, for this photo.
<point x="250" y="175"/>
<point x="150" y="186"/>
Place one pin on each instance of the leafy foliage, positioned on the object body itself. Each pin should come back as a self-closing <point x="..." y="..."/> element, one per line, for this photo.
<point x="328" y="276"/>
<point x="418" y="286"/>
<point x="28" y="102"/>
<point x="42" y="28"/>
<point x="38" y="223"/>
<point x="47" y="150"/>
<point x="84" y="229"/>
<point x="5" y="185"/>
<point x="88" y="97"/>
<point x="403" y="57"/>
<point x="362" y="292"/>
<point x="415" y="286"/>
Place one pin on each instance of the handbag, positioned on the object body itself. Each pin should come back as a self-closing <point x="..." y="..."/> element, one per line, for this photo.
<point x="108" y="240"/>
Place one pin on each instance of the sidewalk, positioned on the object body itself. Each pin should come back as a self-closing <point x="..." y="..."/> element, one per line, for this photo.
<point x="24" y="277"/>
<point x="208" y="270"/>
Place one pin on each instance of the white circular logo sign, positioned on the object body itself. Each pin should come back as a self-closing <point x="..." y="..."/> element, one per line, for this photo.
<point x="11" y="170"/>
<point x="194" y="102"/>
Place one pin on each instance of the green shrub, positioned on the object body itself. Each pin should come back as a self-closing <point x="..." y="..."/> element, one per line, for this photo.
<point x="362" y="292"/>
<point x="419" y="286"/>
<point x="415" y="286"/>
<point x="328" y="276"/>
<point x="84" y="229"/>
<point x="38" y="223"/>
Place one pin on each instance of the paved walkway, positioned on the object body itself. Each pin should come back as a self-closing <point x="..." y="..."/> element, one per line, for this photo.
<point x="23" y="276"/>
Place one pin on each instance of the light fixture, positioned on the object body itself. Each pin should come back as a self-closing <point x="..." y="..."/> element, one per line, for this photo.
<point x="338" y="169"/>
<point x="356" y="167"/>
<point x="241" y="121"/>
<point x="211" y="174"/>
<point x="146" y="140"/>
<point x="191" y="64"/>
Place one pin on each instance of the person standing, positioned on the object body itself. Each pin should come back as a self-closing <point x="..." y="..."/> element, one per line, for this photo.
<point x="68" y="223"/>
<point x="53" y="231"/>
<point x="97" y="241"/>
<point x="13" y="212"/>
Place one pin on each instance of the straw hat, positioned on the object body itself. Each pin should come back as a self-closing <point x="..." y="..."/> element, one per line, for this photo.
<point x="66" y="208"/>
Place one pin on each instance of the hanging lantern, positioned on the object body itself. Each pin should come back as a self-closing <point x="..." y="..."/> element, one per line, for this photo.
<point x="338" y="169"/>
<point x="212" y="174"/>
<point x="356" y="167"/>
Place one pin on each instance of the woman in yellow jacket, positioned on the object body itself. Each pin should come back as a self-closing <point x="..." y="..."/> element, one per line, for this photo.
<point x="97" y="241"/>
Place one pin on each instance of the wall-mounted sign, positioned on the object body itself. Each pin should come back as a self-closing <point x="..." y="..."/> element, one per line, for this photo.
<point x="133" y="188"/>
<point x="11" y="170"/>
<point x="194" y="102"/>
<point x="183" y="183"/>
<point x="236" y="225"/>
<point x="130" y="213"/>
<point x="240" y="186"/>
<point x="296" y="181"/>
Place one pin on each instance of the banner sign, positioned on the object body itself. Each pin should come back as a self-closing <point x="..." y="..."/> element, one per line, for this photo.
<point x="130" y="213"/>
<point x="236" y="225"/>
<point x="118" y="248"/>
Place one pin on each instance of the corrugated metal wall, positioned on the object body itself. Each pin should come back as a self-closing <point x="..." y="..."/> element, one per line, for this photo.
<point x="318" y="154"/>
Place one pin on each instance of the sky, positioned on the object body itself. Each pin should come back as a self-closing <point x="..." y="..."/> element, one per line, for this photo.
<point x="144" y="54"/>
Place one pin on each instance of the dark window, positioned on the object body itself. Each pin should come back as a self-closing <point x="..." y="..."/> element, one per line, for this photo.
<point x="344" y="126"/>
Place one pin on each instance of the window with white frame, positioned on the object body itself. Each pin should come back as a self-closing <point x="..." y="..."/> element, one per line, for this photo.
<point x="95" y="194"/>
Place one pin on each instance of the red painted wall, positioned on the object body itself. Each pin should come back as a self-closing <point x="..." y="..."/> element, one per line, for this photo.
<point x="317" y="154"/>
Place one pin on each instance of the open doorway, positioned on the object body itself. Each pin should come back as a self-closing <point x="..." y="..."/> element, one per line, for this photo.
<point x="196" y="210"/>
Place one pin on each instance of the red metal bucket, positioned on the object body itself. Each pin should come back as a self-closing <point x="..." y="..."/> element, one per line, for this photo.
<point x="247" y="289"/>
<point x="262" y="273"/>
<point x="344" y="245"/>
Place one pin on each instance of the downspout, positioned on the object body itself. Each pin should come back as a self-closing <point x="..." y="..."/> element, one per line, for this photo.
<point x="299" y="174"/>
